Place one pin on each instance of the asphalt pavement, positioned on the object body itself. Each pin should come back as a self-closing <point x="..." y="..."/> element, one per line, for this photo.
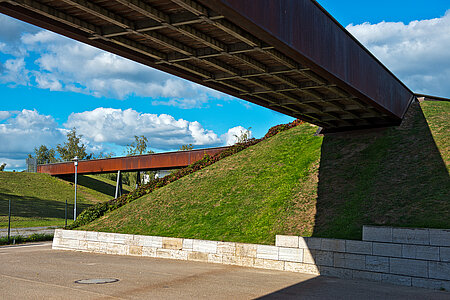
<point x="34" y="271"/>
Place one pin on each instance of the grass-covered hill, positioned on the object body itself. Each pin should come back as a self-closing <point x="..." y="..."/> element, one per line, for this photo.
<point x="39" y="199"/>
<point x="301" y="184"/>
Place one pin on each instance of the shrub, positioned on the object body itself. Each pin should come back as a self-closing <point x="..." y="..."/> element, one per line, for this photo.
<point x="18" y="239"/>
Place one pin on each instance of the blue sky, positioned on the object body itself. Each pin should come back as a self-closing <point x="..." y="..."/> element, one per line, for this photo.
<point x="357" y="12"/>
<point x="49" y="84"/>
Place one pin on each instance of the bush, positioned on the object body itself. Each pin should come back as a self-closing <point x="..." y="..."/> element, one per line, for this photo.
<point x="18" y="239"/>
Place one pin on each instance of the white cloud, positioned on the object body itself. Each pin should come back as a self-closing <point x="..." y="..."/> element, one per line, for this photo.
<point x="26" y="130"/>
<point x="103" y="130"/>
<point x="14" y="72"/>
<point x="231" y="137"/>
<point x="63" y="64"/>
<point x="108" y="125"/>
<point x="4" y="115"/>
<point x="13" y="164"/>
<point x="11" y="31"/>
<point x="418" y="52"/>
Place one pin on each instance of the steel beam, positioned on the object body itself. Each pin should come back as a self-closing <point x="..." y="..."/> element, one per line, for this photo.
<point x="156" y="161"/>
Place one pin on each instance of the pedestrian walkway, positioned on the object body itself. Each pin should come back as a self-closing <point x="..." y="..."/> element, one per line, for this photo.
<point x="34" y="271"/>
<point x="27" y="231"/>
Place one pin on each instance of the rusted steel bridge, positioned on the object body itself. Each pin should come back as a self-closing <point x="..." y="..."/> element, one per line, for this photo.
<point x="287" y="55"/>
<point x="155" y="161"/>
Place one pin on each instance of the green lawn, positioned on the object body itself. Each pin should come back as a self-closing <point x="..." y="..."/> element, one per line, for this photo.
<point x="393" y="177"/>
<point x="240" y="198"/>
<point x="297" y="183"/>
<point x="39" y="199"/>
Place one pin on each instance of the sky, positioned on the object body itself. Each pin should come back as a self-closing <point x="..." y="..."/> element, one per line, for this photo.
<point x="50" y="84"/>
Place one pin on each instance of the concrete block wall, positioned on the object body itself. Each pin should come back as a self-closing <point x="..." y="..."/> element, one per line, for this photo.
<point x="411" y="257"/>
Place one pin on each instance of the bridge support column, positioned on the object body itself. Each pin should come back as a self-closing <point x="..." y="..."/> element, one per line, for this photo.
<point x="119" y="185"/>
<point x="138" y="179"/>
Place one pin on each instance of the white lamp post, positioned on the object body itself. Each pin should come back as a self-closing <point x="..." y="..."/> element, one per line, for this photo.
<point x="75" y="162"/>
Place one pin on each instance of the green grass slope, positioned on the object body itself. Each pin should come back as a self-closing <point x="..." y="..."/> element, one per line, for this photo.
<point x="395" y="177"/>
<point x="241" y="197"/>
<point x="39" y="199"/>
<point x="97" y="188"/>
<point x="298" y="183"/>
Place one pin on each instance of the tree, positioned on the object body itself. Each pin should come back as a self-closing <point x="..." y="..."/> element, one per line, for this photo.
<point x="44" y="155"/>
<point x="2" y="167"/>
<point x="244" y="136"/>
<point x="138" y="147"/>
<point x="102" y="155"/>
<point x="186" y="147"/>
<point x="73" y="147"/>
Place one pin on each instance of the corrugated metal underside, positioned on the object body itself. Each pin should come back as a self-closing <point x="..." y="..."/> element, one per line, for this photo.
<point x="193" y="40"/>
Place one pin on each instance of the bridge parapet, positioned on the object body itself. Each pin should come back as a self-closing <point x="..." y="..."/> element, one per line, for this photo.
<point x="155" y="161"/>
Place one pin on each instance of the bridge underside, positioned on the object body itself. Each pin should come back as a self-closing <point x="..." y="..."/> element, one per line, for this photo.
<point x="289" y="56"/>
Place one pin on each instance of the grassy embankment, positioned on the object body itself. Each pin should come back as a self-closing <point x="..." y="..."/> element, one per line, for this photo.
<point x="297" y="183"/>
<point x="39" y="199"/>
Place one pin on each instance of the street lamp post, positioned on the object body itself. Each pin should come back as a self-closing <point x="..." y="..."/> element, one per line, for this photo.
<point x="75" y="163"/>
<point x="9" y="220"/>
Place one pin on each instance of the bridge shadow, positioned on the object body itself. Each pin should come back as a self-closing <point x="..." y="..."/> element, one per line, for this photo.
<point x="33" y="207"/>
<point x="382" y="177"/>
<point x="95" y="184"/>
<point x="323" y="287"/>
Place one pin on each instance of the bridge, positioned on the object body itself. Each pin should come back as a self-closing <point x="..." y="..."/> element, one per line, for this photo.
<point x="147" y="162"/>
<point x="290" y="56"/>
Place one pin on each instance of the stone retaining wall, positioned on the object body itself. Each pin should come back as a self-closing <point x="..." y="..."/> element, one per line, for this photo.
<point x="411" y="257"/>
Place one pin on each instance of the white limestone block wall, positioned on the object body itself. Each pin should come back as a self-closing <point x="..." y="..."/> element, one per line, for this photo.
<point x="411" y="257"/>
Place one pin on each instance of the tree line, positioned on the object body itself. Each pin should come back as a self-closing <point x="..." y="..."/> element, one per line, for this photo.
<point x="74" y="147"/>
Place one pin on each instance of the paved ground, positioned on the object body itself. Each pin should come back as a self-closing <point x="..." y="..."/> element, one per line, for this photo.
<point x="27" y="231"/>
<point x="35" y="271"/>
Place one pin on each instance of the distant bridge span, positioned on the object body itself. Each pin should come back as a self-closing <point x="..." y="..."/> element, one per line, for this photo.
<point x="287" y="55"/>
<point x="155" y="161"/>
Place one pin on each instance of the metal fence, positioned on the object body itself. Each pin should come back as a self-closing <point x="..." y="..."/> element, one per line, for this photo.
<point x="31" y="165"/>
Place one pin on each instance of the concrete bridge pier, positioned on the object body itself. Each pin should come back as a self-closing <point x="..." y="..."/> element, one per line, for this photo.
<point x="119" y="185"/>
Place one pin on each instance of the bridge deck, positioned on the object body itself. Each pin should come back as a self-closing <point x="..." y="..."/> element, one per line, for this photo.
<point x="289" y="56"/>
<point x="156" y="161"/>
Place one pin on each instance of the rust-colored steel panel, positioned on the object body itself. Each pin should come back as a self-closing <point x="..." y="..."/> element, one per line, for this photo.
<point x="306" y="31"/>
<point x="156" y="161"/>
